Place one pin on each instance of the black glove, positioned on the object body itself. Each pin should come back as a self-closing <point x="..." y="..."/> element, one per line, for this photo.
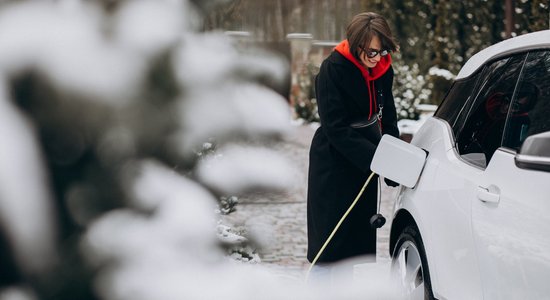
<point x="390" y="183"/>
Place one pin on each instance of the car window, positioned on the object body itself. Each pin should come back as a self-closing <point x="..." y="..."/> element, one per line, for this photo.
<point x="455" y="103"/>
<point x="530" y="109"/>
<point x="483" y="127"/>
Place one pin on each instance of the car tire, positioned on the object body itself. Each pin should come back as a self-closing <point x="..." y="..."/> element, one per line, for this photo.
<point x="409" y="265"/>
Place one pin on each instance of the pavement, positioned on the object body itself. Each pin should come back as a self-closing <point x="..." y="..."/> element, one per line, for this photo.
<point x="278" y="221"/>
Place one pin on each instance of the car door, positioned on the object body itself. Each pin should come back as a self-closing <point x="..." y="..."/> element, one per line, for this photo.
<point x="511" y="206"/>
<point x="478" y="129"/>
<point x="447" y="230"/>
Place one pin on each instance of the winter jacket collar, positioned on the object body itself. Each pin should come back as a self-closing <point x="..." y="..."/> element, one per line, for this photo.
<point x="370" y="75"/>
<point x="380" y="69"/>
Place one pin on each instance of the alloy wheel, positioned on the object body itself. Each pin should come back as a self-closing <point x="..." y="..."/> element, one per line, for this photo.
<point x="407" y="269"/>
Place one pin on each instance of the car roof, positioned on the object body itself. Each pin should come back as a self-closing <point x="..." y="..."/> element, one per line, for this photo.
<point x="534" y="40"/>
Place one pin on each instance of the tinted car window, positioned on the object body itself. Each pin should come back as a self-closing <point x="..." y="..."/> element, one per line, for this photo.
<point x="530" y="109"/>
<point x="455" y="102"/>
<point x="483" y="128"/>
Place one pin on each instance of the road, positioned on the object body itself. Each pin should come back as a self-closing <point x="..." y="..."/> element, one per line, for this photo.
<point x="279" y="220"/>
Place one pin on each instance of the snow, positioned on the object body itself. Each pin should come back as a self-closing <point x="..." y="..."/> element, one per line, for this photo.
<point x="209" y="59"/>
<point x="65" y="44"/>
<point x="227" y="236"/>
<point x="407" y="126"/>
<point x="25" y="205"/>
<point x="436" y="71"/>
<point x="17" y="293"/>
<point x="162" y="243"/>
<point x="149" y="26"/>
<point x="205" y="59"/>
<point x="237" y="169"/>
<point x="231" y="109"/>
<point x="426" y="108"/>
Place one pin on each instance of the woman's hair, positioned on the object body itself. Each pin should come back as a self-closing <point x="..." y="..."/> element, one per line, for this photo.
<point x="363" y="27"/>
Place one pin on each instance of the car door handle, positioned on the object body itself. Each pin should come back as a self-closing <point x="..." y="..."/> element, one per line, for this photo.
<point x="485" y="195"/>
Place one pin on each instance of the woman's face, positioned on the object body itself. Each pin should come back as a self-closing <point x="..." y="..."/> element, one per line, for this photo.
<point x="375" y="44"/>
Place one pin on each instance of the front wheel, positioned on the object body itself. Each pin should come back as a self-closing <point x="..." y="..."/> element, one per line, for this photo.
<point x="409" y="265"/>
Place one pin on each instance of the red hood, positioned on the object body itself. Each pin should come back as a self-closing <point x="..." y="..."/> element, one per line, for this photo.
<point x="380" y="69"/>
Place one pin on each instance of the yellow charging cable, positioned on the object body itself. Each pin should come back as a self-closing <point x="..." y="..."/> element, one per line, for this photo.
<point x="338" y="226"/>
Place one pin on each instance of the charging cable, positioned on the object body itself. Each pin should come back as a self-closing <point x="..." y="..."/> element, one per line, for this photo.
<point x="338" y="225"/>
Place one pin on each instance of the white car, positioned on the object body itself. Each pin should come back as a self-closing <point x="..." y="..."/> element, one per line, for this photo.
<point x="472" y="217"/>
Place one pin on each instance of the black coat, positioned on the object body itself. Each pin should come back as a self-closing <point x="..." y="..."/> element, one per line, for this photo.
<point x="340" y="160"/>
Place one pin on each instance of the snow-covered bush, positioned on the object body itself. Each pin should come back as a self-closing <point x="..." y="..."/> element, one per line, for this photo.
<point x="122" y="125"/>
<point x="410" y="88"/>
<point x="305" y="106"/>
<point x="440" y="81"/>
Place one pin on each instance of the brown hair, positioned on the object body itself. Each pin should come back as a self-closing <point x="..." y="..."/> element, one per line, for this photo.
<point x="363" y="27"/>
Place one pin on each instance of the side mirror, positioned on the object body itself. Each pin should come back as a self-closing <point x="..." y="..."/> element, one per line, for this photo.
<point x="535" y="153"/>
<point x="399" y="161"/>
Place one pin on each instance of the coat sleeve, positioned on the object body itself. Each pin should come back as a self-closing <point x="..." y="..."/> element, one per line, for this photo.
<point x="389" y="115"/>
<point x="335" y="119"/>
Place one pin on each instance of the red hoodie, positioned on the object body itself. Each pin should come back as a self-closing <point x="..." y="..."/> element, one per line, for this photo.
<point x="380" y="69"/>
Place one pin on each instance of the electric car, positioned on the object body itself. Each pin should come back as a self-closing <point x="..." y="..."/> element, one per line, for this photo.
<point x="472" y="216"/>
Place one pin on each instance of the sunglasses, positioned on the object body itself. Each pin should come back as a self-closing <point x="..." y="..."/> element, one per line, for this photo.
<point x="371" y="53"/>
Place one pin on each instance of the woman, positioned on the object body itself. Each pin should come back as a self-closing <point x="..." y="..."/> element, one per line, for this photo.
<point x="354" y="83"/>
